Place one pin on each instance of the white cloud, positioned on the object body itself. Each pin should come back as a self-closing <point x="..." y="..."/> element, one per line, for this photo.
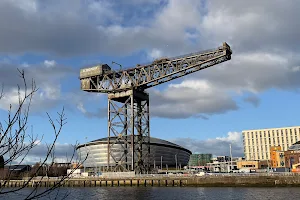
<point x="28" y="6"/>
<point x="62" y="153"/>
<point x="11" y="97"/>
<point x="47" y="80"/>
<point x="263" y="36"/>
<point x="49" y="63"/>
<point x="81" y="108"/>
<point x="50" y="91"/>
<point x="190" y="98"/>
<point x="217" y="146"/>
<point x="154" y="54"/>
<point x="100" y="112"/>
<point x="234" y="137"/>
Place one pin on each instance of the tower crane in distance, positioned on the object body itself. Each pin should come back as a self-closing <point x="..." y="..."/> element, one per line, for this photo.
<point x="128" y="101"/>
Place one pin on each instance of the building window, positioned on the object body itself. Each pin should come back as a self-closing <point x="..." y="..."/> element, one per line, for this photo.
<point x="281" y="155"/>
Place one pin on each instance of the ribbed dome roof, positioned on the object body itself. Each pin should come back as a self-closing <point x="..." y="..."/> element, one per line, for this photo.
<point x="153" y="140"/>
<point x="295" y="146"/>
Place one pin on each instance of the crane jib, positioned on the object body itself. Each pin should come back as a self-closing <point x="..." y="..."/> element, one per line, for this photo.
<point x="101" y="78"/>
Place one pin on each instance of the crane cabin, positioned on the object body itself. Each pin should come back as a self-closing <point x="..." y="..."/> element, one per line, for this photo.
<point x="92" y="73"/>
<point x="161" y="60"/>
<point x="96" y="70"/>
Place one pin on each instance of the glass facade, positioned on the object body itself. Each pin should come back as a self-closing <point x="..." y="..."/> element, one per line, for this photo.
<point x="200" y="159"/>
<point x="160" y="150"/>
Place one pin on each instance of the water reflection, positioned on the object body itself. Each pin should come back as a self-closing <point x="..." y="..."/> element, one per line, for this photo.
<point x="164" y="193"/>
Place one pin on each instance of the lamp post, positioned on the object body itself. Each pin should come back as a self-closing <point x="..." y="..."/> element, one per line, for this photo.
<point x="176" y="161"/>
<point x="85" y="152"/>
<point x="161" y="162"/>
<point x="230" y="157"/>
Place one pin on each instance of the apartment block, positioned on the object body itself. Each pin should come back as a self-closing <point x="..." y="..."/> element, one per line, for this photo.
<point x="257" y="143"/>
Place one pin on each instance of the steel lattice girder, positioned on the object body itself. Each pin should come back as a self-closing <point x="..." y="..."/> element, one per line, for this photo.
<point x="158" y="72"/>
<point x="128" y="121"/>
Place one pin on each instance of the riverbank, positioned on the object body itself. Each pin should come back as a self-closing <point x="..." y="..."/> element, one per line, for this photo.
<point x="175" y="181"/>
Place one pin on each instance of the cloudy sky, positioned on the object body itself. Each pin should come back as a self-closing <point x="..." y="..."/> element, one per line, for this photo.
<point x="205" y="111"/>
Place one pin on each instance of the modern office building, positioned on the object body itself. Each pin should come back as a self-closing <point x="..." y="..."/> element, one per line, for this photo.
<point x="200" y="159"/>
<point x="257" y="143"/>
<point x="160" y="150"/>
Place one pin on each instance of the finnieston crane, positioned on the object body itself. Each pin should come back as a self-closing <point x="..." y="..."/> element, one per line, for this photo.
<point x="128" y="101"/>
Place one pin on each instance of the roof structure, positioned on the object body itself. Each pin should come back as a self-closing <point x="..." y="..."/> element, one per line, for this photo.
<point x="153" y="141"/>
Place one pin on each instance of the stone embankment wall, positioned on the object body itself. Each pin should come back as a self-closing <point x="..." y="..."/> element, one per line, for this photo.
<point x="207" y="181"/>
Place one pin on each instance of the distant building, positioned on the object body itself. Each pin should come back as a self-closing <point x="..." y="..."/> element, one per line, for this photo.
<point x="252" y="164"/>
<point x="292" y="155"/>
<point x="76" y="165"/>
<point x="223" y="164"/>
<point x="223" y="158"/>
<point x="162" y="153"/>
<point x="18" y="168"/>
<point x="62" y="164"/>
<point x="257" y="143"/>
<point x="277" y="157"/>
<point x="200" y="159"/>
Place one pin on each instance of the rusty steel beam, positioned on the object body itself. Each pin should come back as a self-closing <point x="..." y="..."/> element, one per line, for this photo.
<point x="128" y="121"/>
<point x="158" y="72"/>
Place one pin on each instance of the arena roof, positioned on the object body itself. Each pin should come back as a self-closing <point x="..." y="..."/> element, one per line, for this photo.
<point x="153" y="141"/>
<point x="295" y="146"/>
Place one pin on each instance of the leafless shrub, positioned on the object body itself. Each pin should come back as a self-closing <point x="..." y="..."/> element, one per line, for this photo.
<point x="16" y="143"/>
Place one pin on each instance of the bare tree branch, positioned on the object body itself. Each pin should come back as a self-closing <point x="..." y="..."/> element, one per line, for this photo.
<point x="16" y="143"/>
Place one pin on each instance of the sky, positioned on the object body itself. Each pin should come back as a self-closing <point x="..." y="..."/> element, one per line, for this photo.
<point x="204" y="112"/>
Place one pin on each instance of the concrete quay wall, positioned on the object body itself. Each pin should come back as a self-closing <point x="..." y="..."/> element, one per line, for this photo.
<point x="207" y="181"/>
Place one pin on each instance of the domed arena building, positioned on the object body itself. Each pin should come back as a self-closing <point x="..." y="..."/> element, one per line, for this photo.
<point x="160" y="150"/>
<point x="295" y="146"/>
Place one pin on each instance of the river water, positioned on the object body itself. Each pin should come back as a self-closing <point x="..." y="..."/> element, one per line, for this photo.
<point x="164" y="193"/>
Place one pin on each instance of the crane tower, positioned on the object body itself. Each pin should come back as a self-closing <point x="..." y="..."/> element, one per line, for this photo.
<point x="128" y="101"/>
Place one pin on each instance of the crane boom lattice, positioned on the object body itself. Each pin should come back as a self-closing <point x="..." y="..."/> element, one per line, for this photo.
<point x="128" y="102"/>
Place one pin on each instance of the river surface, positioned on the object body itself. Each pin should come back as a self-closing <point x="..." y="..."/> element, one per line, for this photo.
<point x="164" y="193"/>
